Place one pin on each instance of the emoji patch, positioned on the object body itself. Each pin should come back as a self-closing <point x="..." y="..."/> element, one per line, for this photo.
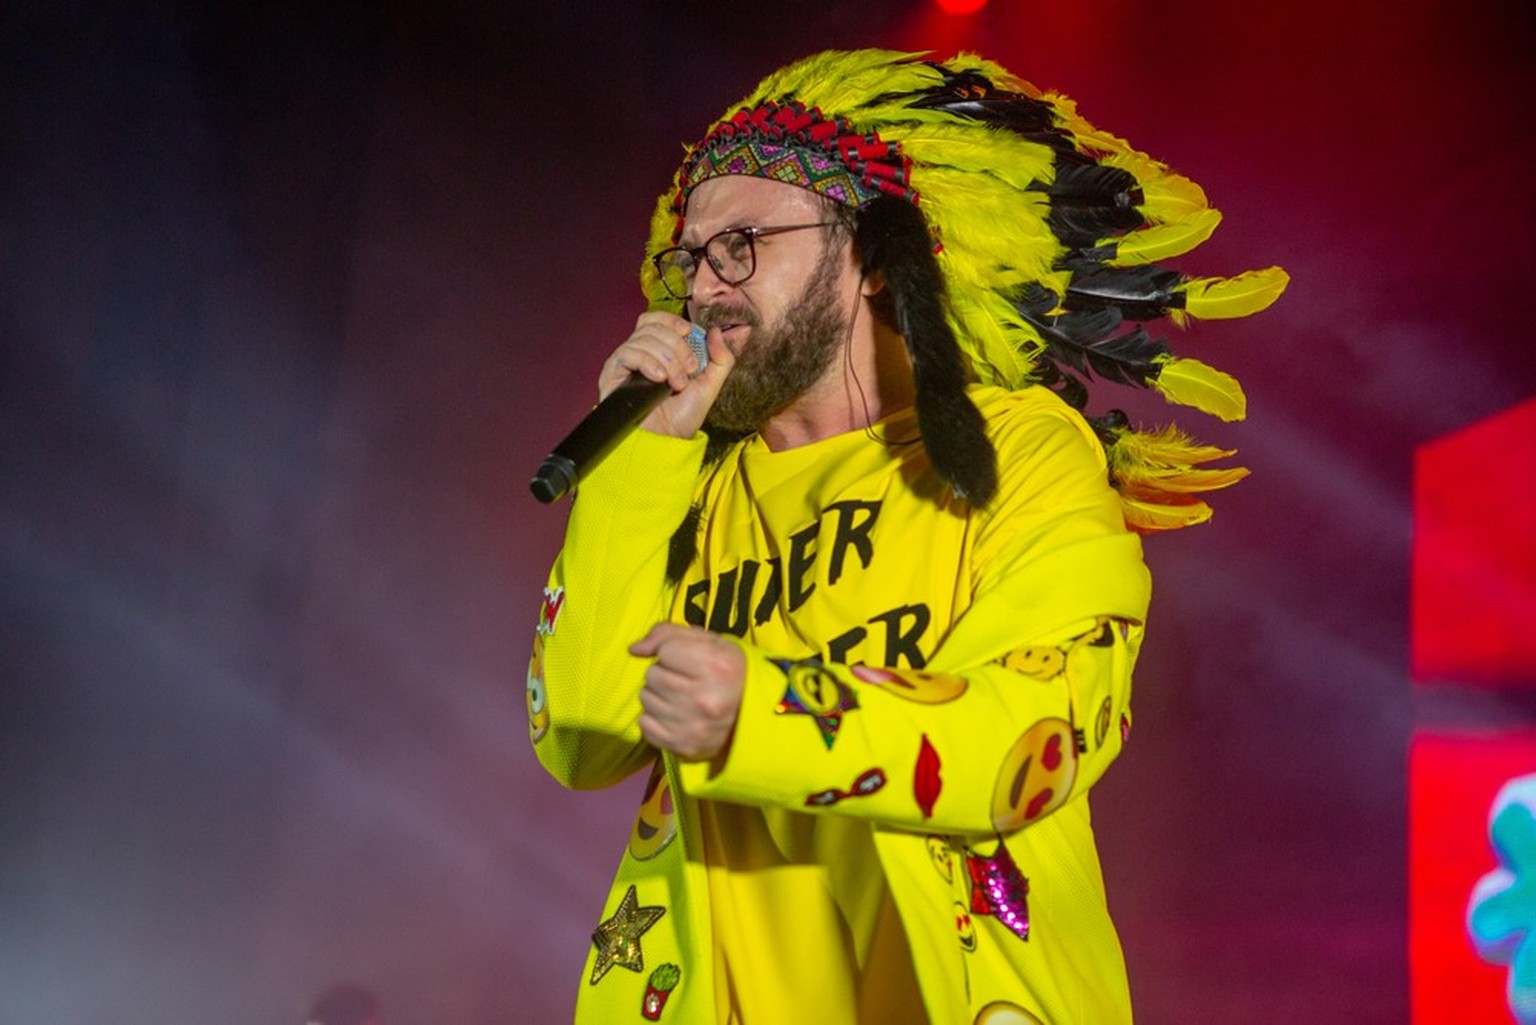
<point x="1042" y="663"/>
<point x="657" y="989"/>
<point x="813" y="690"/>
<point x="656" y="822"/>
<point x="998" y="888"/>
<point x="965" y="927"/>
<point x="1036" y="775"/>
<point x="1002" y="1012"/>
<point x="943" y="857"/>
<point x="868" y="782"/>
<point x="926" y="781"/>
<point x="924" y="688"/>
<point x="618" y="939"/>
<point x="537" y="698"/>
<point x="1101" y="724"/>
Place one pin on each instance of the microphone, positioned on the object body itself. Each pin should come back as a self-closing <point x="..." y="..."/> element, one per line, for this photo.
<point x="624" y="407"/>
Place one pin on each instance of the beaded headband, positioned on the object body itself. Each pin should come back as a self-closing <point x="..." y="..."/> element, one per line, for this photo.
<point x="799" y="146"/>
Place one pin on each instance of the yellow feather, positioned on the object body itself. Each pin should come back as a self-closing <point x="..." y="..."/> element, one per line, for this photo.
<point x="997" y="344"/>
<point x="841" y="80"/>
<point x="1165" y="447"/>
<point x="1153" y="471"/>
<point x="1148" y="517"/>
<point x="1188" y="382"/>
<point x="1163" y="241"/>
<point x="1166" y="197"/>
<point x="1219" y="298"/>
<point x="1168" y="484"/>
<point x="992" y="151"/>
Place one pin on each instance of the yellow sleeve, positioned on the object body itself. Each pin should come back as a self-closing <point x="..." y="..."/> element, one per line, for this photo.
<point x="607" y="588"/>
<point x="1024" y="701"/>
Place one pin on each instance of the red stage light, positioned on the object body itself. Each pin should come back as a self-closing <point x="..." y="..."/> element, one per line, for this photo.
<point x="1474" y="555"/>
<point x="960" y="6"/>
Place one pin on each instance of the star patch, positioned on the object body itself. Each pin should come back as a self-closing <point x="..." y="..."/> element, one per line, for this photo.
<point x="814" y="691"/>
<point x="618" y="939"/>
<point x="999" y="888"/>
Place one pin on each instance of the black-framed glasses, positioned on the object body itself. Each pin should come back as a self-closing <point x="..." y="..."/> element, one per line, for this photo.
<point x="731" y="253"/>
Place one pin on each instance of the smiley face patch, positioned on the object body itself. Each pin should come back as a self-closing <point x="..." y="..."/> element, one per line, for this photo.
<point x="536" y="697"/>
<point x="942" y="856"/>
<point x="1036" y="775"/>
<point x="1041" y="663"/>
<point x="912" y="684"/>
<point x="656" y="822"/>
<point x="1101" y="723"/>
<point x="1003" y="1012"/>
<point x="965" y="927"/>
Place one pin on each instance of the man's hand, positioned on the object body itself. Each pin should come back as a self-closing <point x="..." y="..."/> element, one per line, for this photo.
<point x="658" y="350"/>
<point x="692" y="691"/>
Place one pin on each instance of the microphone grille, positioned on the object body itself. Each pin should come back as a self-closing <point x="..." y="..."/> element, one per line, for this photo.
<point x="700" y="348"/>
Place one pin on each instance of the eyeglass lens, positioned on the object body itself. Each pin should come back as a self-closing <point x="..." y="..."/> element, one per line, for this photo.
<point x="730" y="256"/>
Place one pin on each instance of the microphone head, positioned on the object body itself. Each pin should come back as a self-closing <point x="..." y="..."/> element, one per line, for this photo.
<point x="700" y="347"/>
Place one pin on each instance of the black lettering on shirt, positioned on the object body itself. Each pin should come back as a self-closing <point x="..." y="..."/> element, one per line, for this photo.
<point x="900" y="640"/>
<point x="771" y="593"/>
<point x="693" y="603"/>
<point x="802" y="556"/>
<point x="729" y="614"/>
<point x="839" y="647"/>
<point x="852" y="534"/>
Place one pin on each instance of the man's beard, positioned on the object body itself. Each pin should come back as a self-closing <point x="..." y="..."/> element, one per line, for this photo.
<point x="776" y="368"/>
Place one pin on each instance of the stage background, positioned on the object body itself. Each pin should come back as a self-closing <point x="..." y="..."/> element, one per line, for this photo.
<point x="294" y="299"/>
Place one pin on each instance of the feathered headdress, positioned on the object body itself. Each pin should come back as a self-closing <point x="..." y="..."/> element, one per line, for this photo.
<point x="1013" y="234"/>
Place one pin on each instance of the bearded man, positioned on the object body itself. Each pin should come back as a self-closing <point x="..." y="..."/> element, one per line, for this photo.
<point x="863" y="594"/>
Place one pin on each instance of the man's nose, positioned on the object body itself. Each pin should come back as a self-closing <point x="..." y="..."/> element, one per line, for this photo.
<point x="707" y="283"/>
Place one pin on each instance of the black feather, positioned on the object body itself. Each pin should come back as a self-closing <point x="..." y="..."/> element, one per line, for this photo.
<point x="1096" y="184"/>
<point x="970" y="94"/>
<point x="893" y="239"/>
<point x="1089" y="259"/>
<point x="1084" y="341"/>
<point x="1069" y="330"/>
<point x="1109" y="426"/>
<point x="1081" y="226"/>
<point x="1068" y="388"/>
<point x="1140" y="293"/>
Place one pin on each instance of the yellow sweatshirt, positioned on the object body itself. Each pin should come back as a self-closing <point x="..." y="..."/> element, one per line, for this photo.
<point x="899" y="829"/>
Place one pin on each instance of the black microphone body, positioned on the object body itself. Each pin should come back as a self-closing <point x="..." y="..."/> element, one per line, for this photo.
<point x="609" y="420"/>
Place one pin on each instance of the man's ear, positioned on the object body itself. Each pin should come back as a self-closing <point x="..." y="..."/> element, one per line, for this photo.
<point x="873" y="283"/>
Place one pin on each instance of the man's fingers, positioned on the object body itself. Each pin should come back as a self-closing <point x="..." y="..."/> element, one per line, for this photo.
<point x="649" y="645"/>
<point x="655" y="733"/>
<point x="657" y="349"/>
<point x="721" y="358"/>
<point x="663" y="690"/>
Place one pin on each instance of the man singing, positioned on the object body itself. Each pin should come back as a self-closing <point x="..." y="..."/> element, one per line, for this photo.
<point x="864" y="593"/>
